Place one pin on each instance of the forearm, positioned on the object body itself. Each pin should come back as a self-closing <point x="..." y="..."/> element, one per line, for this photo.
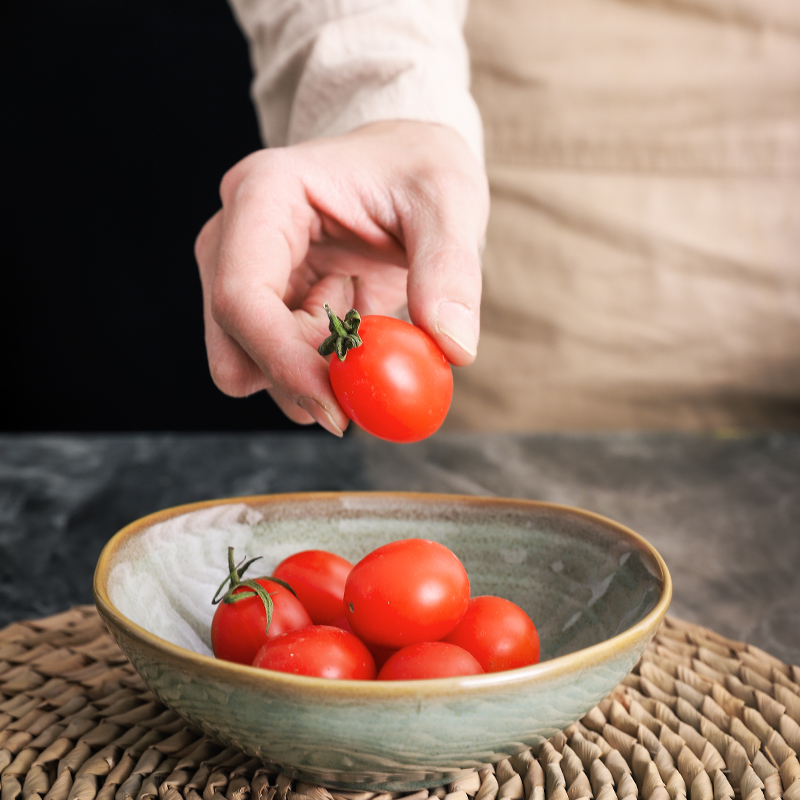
<point x="326" y="67"/>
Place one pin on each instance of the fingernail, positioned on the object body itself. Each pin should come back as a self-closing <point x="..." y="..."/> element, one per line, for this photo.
<point x="457" y="322"/>
<point x="320" y="415"/>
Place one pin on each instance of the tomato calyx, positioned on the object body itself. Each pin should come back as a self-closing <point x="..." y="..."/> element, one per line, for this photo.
<point x="344" y="333"/>
<point x="248" y="587"/>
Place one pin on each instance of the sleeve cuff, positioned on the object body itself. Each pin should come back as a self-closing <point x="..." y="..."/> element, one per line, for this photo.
<point x="327" y="67"/>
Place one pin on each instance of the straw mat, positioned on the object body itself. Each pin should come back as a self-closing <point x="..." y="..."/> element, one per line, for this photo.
<point x="701" y="717"/>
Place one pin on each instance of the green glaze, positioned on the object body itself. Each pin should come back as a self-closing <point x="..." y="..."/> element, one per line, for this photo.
<point x="595" y="590"/>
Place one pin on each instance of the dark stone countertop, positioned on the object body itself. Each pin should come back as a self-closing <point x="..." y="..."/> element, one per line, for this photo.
<point x="724" y="512"/>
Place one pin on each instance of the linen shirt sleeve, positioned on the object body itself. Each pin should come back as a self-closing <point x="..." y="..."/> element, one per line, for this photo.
<point x="325" y="67"/>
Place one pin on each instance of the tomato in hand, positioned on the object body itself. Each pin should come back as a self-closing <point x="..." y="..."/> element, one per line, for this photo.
<point x="498" y="633"/>
<point x="429" y="660"/>
<point x="317" y="578"/>
<point x="389" y="376"/>
<point x="239" y="626"/>
<point x="411" y="590"/>
<point x="322" y="651"/>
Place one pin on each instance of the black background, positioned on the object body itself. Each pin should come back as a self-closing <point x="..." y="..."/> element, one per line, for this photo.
<point x="120" y="118"/>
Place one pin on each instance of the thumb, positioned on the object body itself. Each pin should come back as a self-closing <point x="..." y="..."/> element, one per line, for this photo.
<point x="444" y="295"/>
<point x="443" y="222"/>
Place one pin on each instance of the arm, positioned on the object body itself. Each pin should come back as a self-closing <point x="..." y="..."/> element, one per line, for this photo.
<point x="326" y="67"/>
<point x="386" y="213"/>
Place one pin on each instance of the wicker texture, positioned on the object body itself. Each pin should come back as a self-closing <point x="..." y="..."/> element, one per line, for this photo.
<point x="701" y="717"/>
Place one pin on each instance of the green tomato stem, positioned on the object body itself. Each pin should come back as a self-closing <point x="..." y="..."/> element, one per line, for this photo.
<point x="252" y="588"/>
<point x="344" y="333"/>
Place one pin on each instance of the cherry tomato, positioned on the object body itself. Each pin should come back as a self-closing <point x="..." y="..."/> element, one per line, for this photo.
<point x="322" y="651"/>
<point x="397" y="384"/>
<point x="411" y="590"/>
<point x="317" y="578"/>
<point x="429" y="660"/>
<point x="498" y="633"/>
<point x="380" y="654"/>
<point x="239" y="629"/>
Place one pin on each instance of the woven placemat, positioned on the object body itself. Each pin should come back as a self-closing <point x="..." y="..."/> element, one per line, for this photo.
<point x="701" y="717"/>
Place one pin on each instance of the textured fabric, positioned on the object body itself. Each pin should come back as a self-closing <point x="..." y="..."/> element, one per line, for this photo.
<point x="643" y="260"/>
<point x="642" y="267"/>
<point x="325" y="67"/>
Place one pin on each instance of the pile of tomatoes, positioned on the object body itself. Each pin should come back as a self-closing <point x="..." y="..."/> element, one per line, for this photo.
<point x="403" y="612"/>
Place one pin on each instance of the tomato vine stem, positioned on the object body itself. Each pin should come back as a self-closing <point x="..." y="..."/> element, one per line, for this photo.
<point x="344" y="333"/>
<point x="250" y="588"/>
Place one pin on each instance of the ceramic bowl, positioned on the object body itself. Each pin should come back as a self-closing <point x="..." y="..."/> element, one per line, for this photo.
<point x="596" y="591"/>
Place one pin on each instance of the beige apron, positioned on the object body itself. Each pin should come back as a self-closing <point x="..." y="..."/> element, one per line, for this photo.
<point x="642" y="267"/>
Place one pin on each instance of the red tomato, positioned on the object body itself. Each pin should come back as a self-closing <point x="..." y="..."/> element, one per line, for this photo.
<point x="397" y="384"/>
<point x="239" y="629"/>
<point x="380" y="654"/>
<point x="317" y="578"/>
<point x="412" y="590"/>
<point x="498" y="633"/>
<point x="321" y="651"/>
<point x="429" y="660"/>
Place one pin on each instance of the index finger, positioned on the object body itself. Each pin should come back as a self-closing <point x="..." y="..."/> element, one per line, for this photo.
<point x="265" y="235"/>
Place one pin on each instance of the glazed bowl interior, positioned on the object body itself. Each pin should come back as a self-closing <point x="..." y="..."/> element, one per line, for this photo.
<point x="579" y="589"/>
<point x="595" y="590"/>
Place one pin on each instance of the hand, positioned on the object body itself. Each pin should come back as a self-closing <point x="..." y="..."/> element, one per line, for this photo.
<point x="389" y="214"/>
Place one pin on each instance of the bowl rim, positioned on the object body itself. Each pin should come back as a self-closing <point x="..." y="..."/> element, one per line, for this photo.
<point x="258" y="678"/>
